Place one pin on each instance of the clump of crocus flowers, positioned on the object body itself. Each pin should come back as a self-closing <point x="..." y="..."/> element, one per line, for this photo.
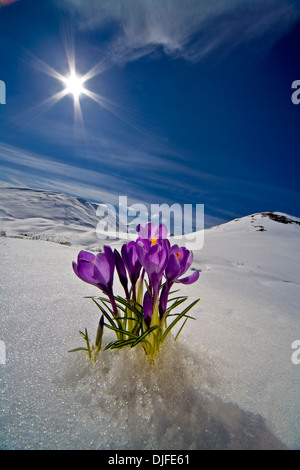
<point x="147" y="269"/>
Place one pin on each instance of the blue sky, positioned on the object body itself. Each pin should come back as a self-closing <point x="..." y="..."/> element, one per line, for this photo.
<point x="193" y="102"/>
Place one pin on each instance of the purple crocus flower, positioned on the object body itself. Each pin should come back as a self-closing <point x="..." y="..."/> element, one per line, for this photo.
<point x="132" y="263"/>
<point x="153" y="258"/>
<point x="179" y="261"/>
<point x="152" y="232"/>
<point x="98" y="270"/>
<point x="84" y="268"/>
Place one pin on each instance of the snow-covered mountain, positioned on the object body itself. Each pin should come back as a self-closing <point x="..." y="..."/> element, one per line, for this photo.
<point x="52" y="216"/>
<point x="229" y="382"/>
<point x="260" y="222"/>
<point x="263" y="242"/>
<point x="48" y="215"/>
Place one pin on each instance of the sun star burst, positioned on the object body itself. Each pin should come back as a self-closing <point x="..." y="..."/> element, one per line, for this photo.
<point x="74" y="84"/>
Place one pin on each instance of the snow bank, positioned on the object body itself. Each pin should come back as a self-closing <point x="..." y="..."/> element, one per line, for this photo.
<point x="228" y="382"/>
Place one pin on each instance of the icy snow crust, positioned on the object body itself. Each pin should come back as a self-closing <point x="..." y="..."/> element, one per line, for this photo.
<point x="227" y="383"/>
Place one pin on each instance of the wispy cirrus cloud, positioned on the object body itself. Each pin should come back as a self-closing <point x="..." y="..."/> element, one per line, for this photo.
<point x="21" y="168"/>
<point x="192" y="29"/>
<point x="106" y="178"/>
<point x="25" y="168"/>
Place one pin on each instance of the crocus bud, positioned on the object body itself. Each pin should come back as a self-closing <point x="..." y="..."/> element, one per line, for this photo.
<point x="163" y="299"/>
<point x="121" y="272"/>
<point x="148" y="308"/>
<point x="99" y="333"/>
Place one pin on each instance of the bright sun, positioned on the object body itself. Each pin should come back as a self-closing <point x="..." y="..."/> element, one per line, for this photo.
<point x="74" y="85"/>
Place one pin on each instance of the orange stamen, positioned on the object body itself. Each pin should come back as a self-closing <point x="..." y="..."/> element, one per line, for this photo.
<point x="153" y="241"/>
<point x="178" y="254"/>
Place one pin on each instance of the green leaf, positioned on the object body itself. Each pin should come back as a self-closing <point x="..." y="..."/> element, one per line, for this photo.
<point x="175" y="304"/>
<point x="107" y="316"/>
<point x="174" y="291"/>
<point x="127" y="318"/>
<point x="91" y="297"/>
<point x="118" y="344"/>
<point x="78" y="349"/>
<point x="145" y="334"/>
<point x="175" y="315"/>
<point x="108" y="308"/>
<point x="181" y="329"/>
<point x="122" y="331"/>
<point x="97" y="350"/>
<point x="179" y="297"/>
<point x="182" y="314"/>
<point x="88" y="343"/>
<point x="130" y="306"/>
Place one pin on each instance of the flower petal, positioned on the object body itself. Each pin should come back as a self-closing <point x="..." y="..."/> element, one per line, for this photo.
<point x="121" y="271"/>
<point x="162" y="231"/>
<point x="189" y="279"/>
<point x="152" y="232"/>
<point x="173" y="267"/>
<point x="85" y="271"/>
<point x="110" y="258"/>
<point x="148" y="308"/>
<point x="85" y="256"/>
<point x="102" y="272"/>
<point x="131" y="260"/>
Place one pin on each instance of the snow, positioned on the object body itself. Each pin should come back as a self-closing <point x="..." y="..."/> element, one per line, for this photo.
<point x="227" y="383"/>
<point x="51" y="216"/>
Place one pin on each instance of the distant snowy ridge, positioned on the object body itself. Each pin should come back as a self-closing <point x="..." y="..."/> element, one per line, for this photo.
<point x="52" y="216"/>
<point x="48" y="215"/>
<point x="260" y="221"/>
